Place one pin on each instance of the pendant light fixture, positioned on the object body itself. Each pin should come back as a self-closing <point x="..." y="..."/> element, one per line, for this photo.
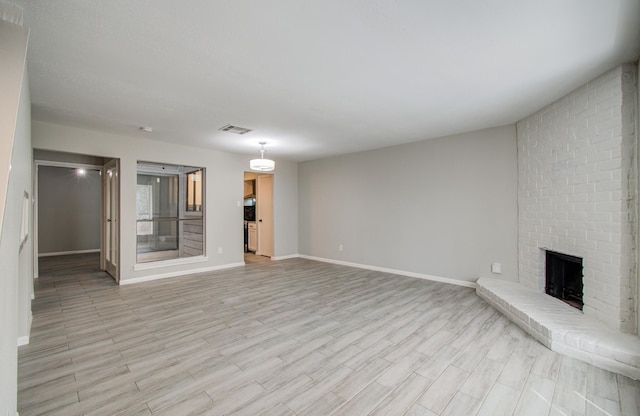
<point x="262" y="164"/>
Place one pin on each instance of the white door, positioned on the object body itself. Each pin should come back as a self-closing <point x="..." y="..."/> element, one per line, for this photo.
<point x="111" y="219"/>
<point x="264" y="214"/>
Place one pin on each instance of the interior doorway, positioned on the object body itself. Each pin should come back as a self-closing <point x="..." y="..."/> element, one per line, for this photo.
<point x="258" y="217"/>
<point x="72" y="207"/>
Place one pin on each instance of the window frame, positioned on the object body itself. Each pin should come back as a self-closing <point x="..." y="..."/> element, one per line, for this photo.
<point x="180" y="254"/>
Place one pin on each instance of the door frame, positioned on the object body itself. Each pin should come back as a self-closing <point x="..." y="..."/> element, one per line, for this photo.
<point x="112" y="269"/>
<point x="73" y="165"/>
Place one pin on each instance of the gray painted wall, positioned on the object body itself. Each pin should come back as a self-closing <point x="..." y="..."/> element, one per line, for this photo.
<point x="22" y="185"/>
<point x="444" y="207"/>
<point x="16" y="267"/>
<point x="285" y="205"/>
<point x="69" y="210"/>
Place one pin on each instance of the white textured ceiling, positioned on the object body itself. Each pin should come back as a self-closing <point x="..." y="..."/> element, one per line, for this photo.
<point x="315" y="78"/>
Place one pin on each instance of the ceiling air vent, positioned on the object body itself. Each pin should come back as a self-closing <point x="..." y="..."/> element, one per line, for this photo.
<point x="234" y="129"/>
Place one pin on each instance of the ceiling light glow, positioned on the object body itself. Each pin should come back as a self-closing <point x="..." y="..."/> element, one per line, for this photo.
<point x="262" y="164"/>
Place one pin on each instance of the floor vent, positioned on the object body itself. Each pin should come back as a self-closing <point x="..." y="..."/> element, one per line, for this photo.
<point x="234" y="129"/>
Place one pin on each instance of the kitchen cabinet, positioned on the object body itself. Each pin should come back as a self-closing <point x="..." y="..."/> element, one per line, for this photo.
<point x="249" y="189"/>
<point x="252" y="243"/>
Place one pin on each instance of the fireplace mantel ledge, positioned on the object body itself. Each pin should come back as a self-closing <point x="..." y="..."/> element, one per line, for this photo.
<point x="562" y="328"/>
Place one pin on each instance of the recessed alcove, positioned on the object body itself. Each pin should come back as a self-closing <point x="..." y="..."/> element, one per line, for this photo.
<point x="563" y="278"/>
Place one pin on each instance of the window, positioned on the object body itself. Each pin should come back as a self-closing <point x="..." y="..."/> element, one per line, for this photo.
<point x="194" y="191"/>
<point x="170" y="212"/>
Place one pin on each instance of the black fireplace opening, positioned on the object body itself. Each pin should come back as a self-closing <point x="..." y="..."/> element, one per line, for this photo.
<point x="564" y="278"/>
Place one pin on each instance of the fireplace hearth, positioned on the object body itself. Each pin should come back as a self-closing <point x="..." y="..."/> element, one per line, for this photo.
<point x="564" y="278"/>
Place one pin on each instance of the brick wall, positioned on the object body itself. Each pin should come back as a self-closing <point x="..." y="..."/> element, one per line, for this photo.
<point x="577" y="192"/>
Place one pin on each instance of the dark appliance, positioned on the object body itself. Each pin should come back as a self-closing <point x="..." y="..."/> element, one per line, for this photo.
<point x="246" y="237"/>
<point x="250" y="213"/>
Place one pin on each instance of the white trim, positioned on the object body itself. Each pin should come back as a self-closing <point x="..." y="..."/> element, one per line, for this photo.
<point x="178" y="273"/>
<point x="290" y="256"/>
<point x="472" y="285"/>
<point x="35" y="199"/>
<point x="66" y="253"/>
<point x="24" y="340"/>
<point x="167" y="263"/>
<point x="70" y="165"/>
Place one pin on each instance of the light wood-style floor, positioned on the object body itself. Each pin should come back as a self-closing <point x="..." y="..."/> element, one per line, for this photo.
<point x="253" y="258"/>
<point x="291" y="337"/>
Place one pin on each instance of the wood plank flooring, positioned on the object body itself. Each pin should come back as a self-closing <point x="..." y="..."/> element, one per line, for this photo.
<point x="290" y="337"/>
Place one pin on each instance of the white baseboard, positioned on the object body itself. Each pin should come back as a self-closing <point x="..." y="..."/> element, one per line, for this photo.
<point x="393" y="271"/>
<point x="178" y="273"/>
<point x="171" y="262"/>
<point x="66" y="253"/>
<point x="304" y="256"/>
<point x="290" y="256"/>
<point x="24" y="340"/>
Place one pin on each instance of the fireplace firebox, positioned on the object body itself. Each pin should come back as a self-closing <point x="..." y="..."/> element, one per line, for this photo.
<point x="564" y="278"/>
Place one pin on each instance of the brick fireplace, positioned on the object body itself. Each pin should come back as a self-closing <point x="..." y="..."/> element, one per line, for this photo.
<point x="577" y="193"/>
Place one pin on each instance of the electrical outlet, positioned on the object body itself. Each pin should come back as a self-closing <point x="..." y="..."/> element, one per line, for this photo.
<point x="340" y="247"/>
<point x="219" y="250"/>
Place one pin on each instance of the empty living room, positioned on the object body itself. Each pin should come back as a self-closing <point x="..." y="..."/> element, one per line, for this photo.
<point x="439" y="205"/>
